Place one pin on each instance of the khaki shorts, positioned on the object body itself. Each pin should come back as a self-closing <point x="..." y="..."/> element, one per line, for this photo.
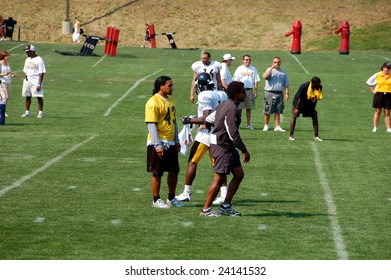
<point x="249" y="102"/>
<point x="4" y="91"/>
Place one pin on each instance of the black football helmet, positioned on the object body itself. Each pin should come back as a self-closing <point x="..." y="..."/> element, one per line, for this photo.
<point x="202" y="82"/>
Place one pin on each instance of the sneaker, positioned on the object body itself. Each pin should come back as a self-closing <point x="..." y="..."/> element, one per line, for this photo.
<point x="25" y="115"/>
<point x="209" y="213"/>
<point x="175" y="202"/>
<point x="40" y="115"/>
<point x="250" y="127"/>
<point x="374" y="129"/>
<point x="228" y="211"/>
<point x="184" y="197"/>
<point x="278" y="128"/>
<point x="317" y="138"/>
<point x="160" y="204"/>
<point x="6" y="115"/>
<point x="291" y="138"/>
<point x="266" y="127"/>
<point x="388" y="130"/>
<point x="218" y="200"/>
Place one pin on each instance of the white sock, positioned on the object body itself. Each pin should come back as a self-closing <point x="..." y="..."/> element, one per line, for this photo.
<point x="187" y="189"/>
<point x="223" y="191"/>
<point x="27" y="112"/>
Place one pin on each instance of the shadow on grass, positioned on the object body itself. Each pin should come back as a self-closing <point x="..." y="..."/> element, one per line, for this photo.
<point x="285" y="214"/>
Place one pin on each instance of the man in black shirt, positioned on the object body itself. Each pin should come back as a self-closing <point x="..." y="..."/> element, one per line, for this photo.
<point x="305" y="103"/>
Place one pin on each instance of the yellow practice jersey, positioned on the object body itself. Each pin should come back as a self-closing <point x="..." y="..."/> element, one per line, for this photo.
<point x="161" y="111"/>
<point x="383" y="83"/>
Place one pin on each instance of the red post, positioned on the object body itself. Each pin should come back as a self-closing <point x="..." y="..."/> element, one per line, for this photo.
<point x="344" y="29"/>
<point x="296" y="31"/>
<point x="151" y="29"/>
<point x="114" y="42"/>
<point x="108" y="39"/>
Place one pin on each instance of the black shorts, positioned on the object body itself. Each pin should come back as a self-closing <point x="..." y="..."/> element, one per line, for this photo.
<point x="381" y="100"/>
<point x="224" y="160"/>
<point x="168" y="163"/>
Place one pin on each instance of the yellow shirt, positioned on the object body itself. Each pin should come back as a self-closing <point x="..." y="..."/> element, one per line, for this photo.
<point x="161" y="111"/>
<point x="383" y="83"/>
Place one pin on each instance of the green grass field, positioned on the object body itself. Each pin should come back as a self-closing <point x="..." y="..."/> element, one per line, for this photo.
<point x="74" y="185"/>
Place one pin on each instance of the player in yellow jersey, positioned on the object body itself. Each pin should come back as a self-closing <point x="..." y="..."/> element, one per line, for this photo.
<point x="162" y="142"/>
<point x="380" y="85"/>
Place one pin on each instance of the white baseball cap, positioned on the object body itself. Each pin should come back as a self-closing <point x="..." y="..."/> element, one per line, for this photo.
<point x="228" y="57"/>
<point x="30" y="48"/>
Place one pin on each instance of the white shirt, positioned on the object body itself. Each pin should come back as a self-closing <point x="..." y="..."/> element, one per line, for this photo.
<point x="247" y="75"/>
<point x="225" y="74"/>
<point x="33" y="66"/>
<point x="207" y="100"/>
<point x="5" y="69"/>
<point x="213" y="68"/>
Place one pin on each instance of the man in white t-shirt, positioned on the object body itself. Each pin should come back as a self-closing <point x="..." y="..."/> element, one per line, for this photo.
<point x="225" y="75"/>
<point x="34" y="69"/>
<point x="208" y="66"/>
<point x="248" y="74"/>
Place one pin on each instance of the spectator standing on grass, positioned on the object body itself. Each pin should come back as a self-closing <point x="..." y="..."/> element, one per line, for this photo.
<point x="225" y="74"/>
<point x="34" y="70"/>
<point x="248" y="74"/>
<point x="5" y="77"/>
<point x="276" y="84"/>
<point x="380" y="85"/>
<point x="304" y="103"/>
<point x="225" y="140"/>
<point x="162" y="142"/>
<point x="76" y="31"/>
<point x="208" y="66"/>
<point x="208" y="99"/>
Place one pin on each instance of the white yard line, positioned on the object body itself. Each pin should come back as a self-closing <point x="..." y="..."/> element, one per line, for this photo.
<point x="331" y="208"/>
<point x="11" y="49"/>
<point x="299" y="62"/>
<point x="19" y="182"/>
<point x="100" y="60"/>
<point x="128" y="92"/>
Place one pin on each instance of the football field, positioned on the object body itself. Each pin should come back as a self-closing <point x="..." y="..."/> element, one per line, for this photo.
<point x="74" y="185"/>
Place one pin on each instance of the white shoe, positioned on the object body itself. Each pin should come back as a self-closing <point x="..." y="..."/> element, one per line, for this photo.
<point x="160" y="204"/>
<point x="218" y="200"/>
<point x="40" y="115"/>
<point x="6" y="115"/>
<point x="278" y="128"/>
<point x="25" y="115"/>
<point x="266" y="127"/>
<point x="318" y="139"/>
<point x="388" y="130"/>
<point x="250" y="127"/>
<point x="291" y="138"/>
<point x="184" y="197"/>
<point x="374" y="129"/>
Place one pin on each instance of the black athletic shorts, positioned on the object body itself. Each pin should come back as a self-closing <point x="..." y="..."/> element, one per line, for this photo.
<point x="168" y="163"/>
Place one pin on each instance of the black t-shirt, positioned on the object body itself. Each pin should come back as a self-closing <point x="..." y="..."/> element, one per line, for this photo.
<point x="307" y="105"/>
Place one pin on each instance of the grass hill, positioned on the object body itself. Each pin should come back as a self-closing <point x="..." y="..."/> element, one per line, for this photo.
<point x="218" y="24"/>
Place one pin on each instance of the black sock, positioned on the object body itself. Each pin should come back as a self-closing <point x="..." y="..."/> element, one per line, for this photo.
<point x="171" y="196"/>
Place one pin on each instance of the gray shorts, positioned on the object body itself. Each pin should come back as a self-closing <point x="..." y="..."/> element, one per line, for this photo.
<point x="224" y="160"/>
<point x="274" y="103"/>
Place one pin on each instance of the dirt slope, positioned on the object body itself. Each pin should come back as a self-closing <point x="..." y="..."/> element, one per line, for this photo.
<point x="229" y="24"/>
